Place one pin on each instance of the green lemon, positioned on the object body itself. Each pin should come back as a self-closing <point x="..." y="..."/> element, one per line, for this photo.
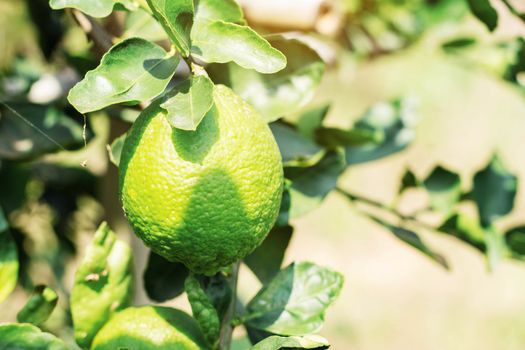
<point x="150" y="328"/>
<point x="206" y="198"/>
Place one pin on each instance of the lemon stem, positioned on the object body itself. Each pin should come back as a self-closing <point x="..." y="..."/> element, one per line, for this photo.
<point x="227" y="325"/>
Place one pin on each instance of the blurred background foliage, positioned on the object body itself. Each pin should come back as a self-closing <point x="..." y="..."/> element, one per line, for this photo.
<point x="416" y="130"/>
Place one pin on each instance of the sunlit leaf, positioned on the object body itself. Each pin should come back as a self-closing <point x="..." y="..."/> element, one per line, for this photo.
<point x="95" y="8"/>
<point x="189" y="102"/>
<point x="276" y="342"/>
<point x="266" y="260"/>
<point x="294" y="302"/>
<point x="39" y="306"/>
<point x="27" y="337"/>
<point x="221" y="42"/>
<point x="225" y="10"/>
<point x="143" y="25"/>
<point x="115" y="149"/>
<point x="132" y="71"/>
<point x="466" y="229"/>
<point x="176" y="16"/>
<point x="103" y="284"/>
<point x="282" y="93"/>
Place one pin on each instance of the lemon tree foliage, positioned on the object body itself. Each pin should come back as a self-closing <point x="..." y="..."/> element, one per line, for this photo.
<point x="220" y="149"/>
<point x="39" y="306"/>
<point x="26" y="336"/>
<point x="103" y="284"/>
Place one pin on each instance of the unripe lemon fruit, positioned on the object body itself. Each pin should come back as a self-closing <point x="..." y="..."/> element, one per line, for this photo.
<point x="206" y="198"/>
<point x="150" y="328"/>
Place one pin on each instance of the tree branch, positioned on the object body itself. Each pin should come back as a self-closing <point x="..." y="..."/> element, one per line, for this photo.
<point x="227" y="322"/>
<point x="102" y="40"/>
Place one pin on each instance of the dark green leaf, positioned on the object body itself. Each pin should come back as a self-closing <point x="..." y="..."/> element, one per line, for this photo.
<point x="16" y="336"/>
<point x="116" y="149"/>
<point x="334" y="137"/>
<point x="39" y="306"/>
<point x="484" y="11"/>
<point x="203" y="310"/>
<point x="296" y="150"/>
<point x="395" y="121"/>
<point x="189" y="102"/>
<point x="225" y="10"/>
<point x="222" y="42"/>
<point x="294" y="302"/>
<point x="285" y="92"/>
<point x="444" y="189"/>
<point x="465" y="229"/>
<point x="310" y="185"/>
<point x="408" y="180"/>
<point x="95" y="8"/>
<point x="414" y="240"/>
<point x="266" y="260"/>
<point x="164" y="280"/>
<point x="515" y="240"/>
<point x="176" y="16"/>
<point x="52" y="131"/>
<point x="456" y="44"/>
<point x="276" y="342"/>
<point x="8" y="260"/>
<point x="132" y="71"/>
<point x="286" y="203"/>
<point x="103" y="284"/>
<point x="494" y="191"/>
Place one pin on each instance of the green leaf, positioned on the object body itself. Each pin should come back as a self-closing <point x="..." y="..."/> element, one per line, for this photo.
<point x="310" y="185"/>
<point x="95" y="8"/>
<point x="285" y="92"/>
<point x="294" y="302"/>
<point x="409" y="180"/>
<point x="203" y="310"/>
<point x="224" y="10"/>
<point x="444" y="189"/>
<point x="466" y="229"/>
<point x="132" y="71"/>
<point x="176" y="16"/>
<point x="459" y="43"/>
<point x="334" y="137"/>
<point x="189" y="102"/>
<point x="286" y="203"/>
<point x="296" y="150"/>
<point x="115" y="149"/>
<point x="222" y="42"/>
<point x="8" y="260"/>
<point x="27" y="337"/>
<point x="39" y="306"/>
<point x="164" y="280"/>
<point x="143" y="25"/>
<point x="266" y="260"/>
<point x="494" y="191"/>
<point x="218" y="290"/>
<point x="395" y="121"/>
<point x="413" y="240"/>
<point x="484" y="11"/>
<point x="311" y="120"/>
<point x="103" y="284"/>
<point x="515" y="240"/>
<point x="276" y="342"/>
<point x="20" y="141"/>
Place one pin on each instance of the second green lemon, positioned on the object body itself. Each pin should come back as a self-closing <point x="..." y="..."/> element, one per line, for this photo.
<point x="206" y="198"/>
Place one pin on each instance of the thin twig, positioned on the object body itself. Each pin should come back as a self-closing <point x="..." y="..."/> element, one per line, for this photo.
<point x="227" y="322"/>
<point x="382" y="206"/>
<point x="103" y="41"/>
